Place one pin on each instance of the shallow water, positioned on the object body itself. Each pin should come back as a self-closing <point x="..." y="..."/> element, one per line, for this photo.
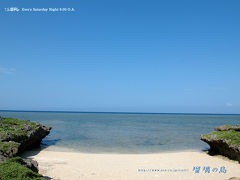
<point x="124" y="132"/>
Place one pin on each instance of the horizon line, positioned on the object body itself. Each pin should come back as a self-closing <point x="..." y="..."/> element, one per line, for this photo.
<point x="117" y="112"/>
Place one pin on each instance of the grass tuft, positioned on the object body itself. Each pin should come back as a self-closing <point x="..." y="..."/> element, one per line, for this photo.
<point x="13" y="169"/>
<point x="232" y="137"/>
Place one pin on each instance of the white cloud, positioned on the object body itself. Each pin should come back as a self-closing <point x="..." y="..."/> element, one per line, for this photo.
<point x="229" y="104"/>
<point x="7" y="70"/>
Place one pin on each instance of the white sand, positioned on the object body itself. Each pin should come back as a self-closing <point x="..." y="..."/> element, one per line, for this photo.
<point x="83" y="166"/>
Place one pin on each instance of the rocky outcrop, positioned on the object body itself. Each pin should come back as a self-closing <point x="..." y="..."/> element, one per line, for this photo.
<point x="18" y="135"/>
<point x="28" y="163"/>
<point x="224" y="141"/>
<point x="31" y="164"/>
<point x="227" y="128"/>
<point x="234" y="178"/>
<point x="18" y="169"/>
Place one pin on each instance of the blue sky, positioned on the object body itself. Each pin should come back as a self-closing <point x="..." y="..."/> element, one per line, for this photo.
<point x="138" y="56"/>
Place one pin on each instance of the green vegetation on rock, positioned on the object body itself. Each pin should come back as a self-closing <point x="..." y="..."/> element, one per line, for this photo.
<point x="15" y="129"/>
<point x="16" y="136"/>
<point x="231" y="137"/>
<point x="225" y="140"/>
<point x="8" y="146"/>
<point x="14" y="169"/>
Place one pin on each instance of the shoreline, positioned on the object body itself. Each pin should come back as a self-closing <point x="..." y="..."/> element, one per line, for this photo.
<point x="65" y="165"/>
<point x="55" y="148"/>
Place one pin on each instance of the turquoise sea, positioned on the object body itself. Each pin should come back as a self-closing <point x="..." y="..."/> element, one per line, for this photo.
<point x="126" y="132"/>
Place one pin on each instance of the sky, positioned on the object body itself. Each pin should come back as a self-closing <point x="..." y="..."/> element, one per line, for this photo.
<point x="123" y="56"/>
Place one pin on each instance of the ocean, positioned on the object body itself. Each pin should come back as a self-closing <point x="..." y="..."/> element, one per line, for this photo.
<point x="125" y="132"/>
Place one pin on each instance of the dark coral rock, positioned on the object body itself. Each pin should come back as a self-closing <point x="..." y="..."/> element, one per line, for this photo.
<point x="18" y="135"/>
<point x="224" y="141"/>
<point x="31" y="164"/>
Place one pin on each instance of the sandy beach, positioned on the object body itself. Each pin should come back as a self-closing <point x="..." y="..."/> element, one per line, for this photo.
<point x="62" y="165"/>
